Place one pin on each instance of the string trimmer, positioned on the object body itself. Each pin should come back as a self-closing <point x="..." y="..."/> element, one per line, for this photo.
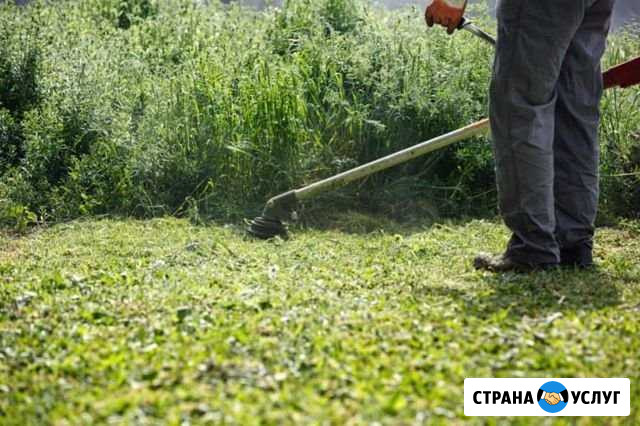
<point x="279" y="208"/>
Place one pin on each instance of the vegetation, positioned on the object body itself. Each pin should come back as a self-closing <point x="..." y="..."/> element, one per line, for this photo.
<point x="141" y="321"/>
<point x="149" y="108"/>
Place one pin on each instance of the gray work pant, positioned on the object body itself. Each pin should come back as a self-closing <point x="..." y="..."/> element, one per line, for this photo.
<point x="544" y="108"/>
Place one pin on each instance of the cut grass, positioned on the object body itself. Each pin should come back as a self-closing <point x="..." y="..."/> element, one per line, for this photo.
<point x="147" y="321"/>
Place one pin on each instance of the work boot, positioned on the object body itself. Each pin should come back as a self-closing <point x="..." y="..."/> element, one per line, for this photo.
<point x="579" y="257"/>
<point x="504" y="263"/>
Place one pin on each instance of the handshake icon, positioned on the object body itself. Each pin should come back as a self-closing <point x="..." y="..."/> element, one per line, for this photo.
<point x="552" y="398"/>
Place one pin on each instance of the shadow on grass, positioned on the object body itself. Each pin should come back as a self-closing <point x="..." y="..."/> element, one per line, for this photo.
<point x="360" y="222"/>
<point x="536" y="294"/>
<point x="394" y="208"/>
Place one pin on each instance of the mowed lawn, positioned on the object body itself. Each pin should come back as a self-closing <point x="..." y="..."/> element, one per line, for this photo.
<point x="162" y="321"/>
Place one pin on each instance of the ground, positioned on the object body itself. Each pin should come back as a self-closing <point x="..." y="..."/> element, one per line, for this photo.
<point x="127" y="321"/>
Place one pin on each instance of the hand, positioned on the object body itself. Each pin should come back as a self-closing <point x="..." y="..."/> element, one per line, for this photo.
<point x="447" y="13"/>
<point x="552" y="398"/>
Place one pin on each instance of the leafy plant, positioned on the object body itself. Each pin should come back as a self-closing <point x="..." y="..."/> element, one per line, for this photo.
<point x="142" y="108"/>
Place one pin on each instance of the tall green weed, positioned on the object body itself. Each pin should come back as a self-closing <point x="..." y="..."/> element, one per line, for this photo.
<point x="146" y="108"/>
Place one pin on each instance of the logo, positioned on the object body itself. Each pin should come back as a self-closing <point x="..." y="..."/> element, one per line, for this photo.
<point x="553" y="397"/>
<point x="547" y="397"/>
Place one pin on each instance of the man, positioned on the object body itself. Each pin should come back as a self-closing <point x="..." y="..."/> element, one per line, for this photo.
<point x="544" y="110"/>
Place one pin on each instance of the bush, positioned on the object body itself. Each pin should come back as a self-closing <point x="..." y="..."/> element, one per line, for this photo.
<point x="19" y="92"/>
<point x="177" y="107"/>
<point x="10" y="141"/>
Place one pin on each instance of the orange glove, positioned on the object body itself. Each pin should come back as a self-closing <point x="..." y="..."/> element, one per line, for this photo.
<point x="447" y="13"/>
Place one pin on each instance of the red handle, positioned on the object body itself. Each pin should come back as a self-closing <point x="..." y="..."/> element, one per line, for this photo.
<point x="623" y="75"/>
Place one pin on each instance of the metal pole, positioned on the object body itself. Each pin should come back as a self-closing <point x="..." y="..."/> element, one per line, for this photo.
<point x="473" y="29"/>
<point x="391" y="160"/>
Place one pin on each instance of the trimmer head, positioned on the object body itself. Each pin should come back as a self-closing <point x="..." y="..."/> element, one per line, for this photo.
<point x="265" y="227"/>
<point x="270" y="223"/>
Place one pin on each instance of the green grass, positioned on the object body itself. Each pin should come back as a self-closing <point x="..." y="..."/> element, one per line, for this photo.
<point x="148" y="108"/>
<point x="164" y="321"/>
